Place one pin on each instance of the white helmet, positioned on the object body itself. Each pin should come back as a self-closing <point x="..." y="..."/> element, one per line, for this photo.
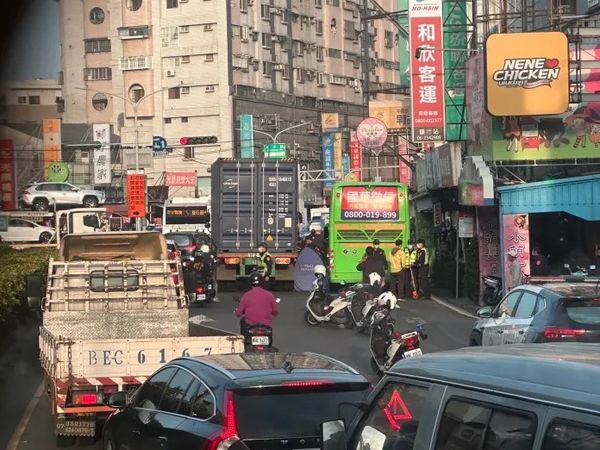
<point x="374" y="278"/>
<point x="320" y="270"/>
<point x="205" y="248"/>
<point x="387" y="299"/>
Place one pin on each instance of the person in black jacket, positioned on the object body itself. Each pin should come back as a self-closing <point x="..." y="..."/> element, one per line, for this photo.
<point x="371" y="263"/>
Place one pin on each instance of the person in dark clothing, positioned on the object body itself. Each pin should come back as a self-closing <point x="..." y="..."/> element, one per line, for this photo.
<point x="422" y="264"/>
<point x="372" y="263"/>
<point x="539" y="264"/>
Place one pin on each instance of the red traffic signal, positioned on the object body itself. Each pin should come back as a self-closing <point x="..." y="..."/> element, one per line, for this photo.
<point x="183" y="141"/>
<point x="198" y="140"/>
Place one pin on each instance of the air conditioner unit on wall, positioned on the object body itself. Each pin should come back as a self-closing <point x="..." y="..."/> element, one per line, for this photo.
<point x="170" y="73"/>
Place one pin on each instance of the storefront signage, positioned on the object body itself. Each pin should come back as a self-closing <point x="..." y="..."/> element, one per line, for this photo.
<point x="438" y="217"/>
<point x="405" y="172"/>
<point x="337" y="154"/>
<point x="7" y="174"/>
<point x="394" y="114"/>
<point x="355" y="158"/>
<point x="52" y="141"/>
<point x="371" y="132"/>
<point x="361" y="203"/>
<point x="465" y="226"/>
<point x="136" y="195"/>
<point x="102" y="167"/>
<point x="184" y="179"/>
<point x="246" y="136"/>
<point x="489" y="240"/>
<point x="427" y="69"/>
<point x="327" y="159"/>
<point x="527" y="73"/>
<point x="515" y="231"/>
<point x="330" y="122"/>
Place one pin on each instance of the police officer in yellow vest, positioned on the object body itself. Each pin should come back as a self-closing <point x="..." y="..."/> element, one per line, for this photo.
<point x="265" y="262"/>
<point x="422" y="263"/>
<point x="410" y="273"/>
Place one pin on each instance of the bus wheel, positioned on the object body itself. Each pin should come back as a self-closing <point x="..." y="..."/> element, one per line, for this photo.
<point x="310" y="319"/>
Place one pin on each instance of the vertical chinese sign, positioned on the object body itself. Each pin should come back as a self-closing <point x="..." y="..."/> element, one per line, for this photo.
<point x="52" y="141"/>
<point x="246" y="136"/>
<point x="327" y="155"/>
<point x="337" y="155"/>
<point x="488" y="233"/>
<point x="515" y="229"/>
<point x="102" y="168"/>
<point x="427" y="70"/>
<point x="7" y="174"/>
<point x="136" y="195"/>
<point x="355" y="158"/>
<point x="404" y="175"/>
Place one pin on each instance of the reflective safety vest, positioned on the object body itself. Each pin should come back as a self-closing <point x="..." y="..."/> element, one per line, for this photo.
<point x="426" y="258"/>
<point x="410" y="258"/>
<point x="262" y="262"/>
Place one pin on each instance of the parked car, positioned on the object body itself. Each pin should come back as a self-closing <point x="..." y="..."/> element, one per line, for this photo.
<point x="39" y="196"/>
<point x="521" y="397"/>
<point x="235" y="401"/>
<point x="21" y="230"/>
<point x="549" y="312"/>
<point x="186" y="242"/>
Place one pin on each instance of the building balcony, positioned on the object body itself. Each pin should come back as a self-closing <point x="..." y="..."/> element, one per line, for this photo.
<point x="135" y="63"/>
<point x="137" y="32"/>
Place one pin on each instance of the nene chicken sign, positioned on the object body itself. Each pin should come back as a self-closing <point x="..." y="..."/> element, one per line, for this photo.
<point x="527" y="74"/>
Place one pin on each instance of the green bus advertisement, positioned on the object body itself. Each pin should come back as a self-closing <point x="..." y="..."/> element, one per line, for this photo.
<point x="359" y="213"/>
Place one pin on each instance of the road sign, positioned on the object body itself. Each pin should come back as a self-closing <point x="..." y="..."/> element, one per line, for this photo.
<point x="159" y="144"/>
<point x="275" y="151"/>
<point x="3" y="223"/>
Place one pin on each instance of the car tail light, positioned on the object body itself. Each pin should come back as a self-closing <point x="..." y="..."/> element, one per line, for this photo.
<point x="228" y="435"/>
<point x="258" y="332"/>
<point x="200" y="290"/>
<point x="232" y="260"/>
<point x="559" y="333"/>
<point x="190" y="247"/>
<point x="87" y="398"/>
<point x="307" y="383"/>
<point x="283" y="260"/>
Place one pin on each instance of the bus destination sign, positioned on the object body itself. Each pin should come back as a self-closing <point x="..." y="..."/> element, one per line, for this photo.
<point x="196" y="211"/>
<point x="376" y="204"/>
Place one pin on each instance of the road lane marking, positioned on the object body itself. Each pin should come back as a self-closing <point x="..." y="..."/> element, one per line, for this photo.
<point x="15" y="439"/>
<point x="456" y="309"/>
<point x="200" y="319"/>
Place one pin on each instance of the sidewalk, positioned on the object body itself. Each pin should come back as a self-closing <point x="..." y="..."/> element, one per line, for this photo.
<point x="462" y="305"/>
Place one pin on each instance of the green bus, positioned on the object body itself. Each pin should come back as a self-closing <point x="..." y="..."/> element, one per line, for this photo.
<point x="359" y="213"/>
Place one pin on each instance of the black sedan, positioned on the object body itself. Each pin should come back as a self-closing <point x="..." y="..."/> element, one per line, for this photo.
<point x="549" y="312"/>
<point x="237" y="401"/>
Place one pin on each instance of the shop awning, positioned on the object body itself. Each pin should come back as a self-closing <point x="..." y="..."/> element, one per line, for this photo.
<point x="579" y="196"/>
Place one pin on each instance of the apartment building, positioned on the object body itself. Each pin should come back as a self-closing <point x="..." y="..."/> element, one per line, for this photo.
<point x="30" y="101"/>
<point x="191" y="67"/>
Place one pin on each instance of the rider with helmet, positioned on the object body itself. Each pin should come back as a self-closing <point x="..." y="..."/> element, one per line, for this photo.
<point x="257" y="306"/>
<point x="204" y="266"/>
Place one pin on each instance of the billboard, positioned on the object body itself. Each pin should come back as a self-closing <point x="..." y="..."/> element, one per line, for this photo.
<point x="7" y="174"/>
<point x="330" y="122"/>
<point x="355" y="158"/>
<point x="52" y="141"/>
<point x="183" y="179"/>
<point x="327" y="161"/>
<point x="246" y="136"/>
<point x="395" y="114"/>
<point x="102" y="167"/>
<point x="426" y="70"/>
<point x="337" y="154"/>
<point x="527" y="74"/>
<point x="362" y="203"/>
<point x="136" y="195"/>
<point x="404" y="171"/>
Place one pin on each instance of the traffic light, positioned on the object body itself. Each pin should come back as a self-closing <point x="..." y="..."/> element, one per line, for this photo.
<point x="198" y="140"/>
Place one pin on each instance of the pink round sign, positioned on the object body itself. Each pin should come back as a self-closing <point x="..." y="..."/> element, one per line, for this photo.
<point x="371" y="132"/>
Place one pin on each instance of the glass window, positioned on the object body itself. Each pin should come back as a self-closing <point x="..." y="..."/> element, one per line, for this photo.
<point x="175" y="391"/>
<point x="507" y="306"/>
<point x="34" y="99"/>
<point x="472" y="426"/>
<point x="174" y="92"/>
<point x="203" y="404"/>
<point x="541" y="305"/>
<point x="99" y="102"/>
<point x="562" y="435"/>
<point x="134" y="5"/>
<point x="149" y="395"/>
<point x="526" y="305"/>
<point x="97" y="16"/>
<point x="185" y="407"/>
<point x="172" y="4"/>
<point x="583" y="311"/>
<point x="22" y="99"/>
<point x="394" y="418"/>
<point x="136" y="92"/>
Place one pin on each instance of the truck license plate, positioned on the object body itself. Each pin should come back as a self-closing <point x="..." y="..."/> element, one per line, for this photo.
<point x="200" y="297"/>
<point x="413" y="353"/>
<point x="260" y="340"/>
<point x="76" y="427"/>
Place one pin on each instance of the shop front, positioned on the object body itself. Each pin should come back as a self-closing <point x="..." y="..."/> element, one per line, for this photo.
<point x="554" y="225"/>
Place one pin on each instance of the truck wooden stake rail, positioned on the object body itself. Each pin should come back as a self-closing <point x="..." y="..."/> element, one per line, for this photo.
<point x="115" y="311"/>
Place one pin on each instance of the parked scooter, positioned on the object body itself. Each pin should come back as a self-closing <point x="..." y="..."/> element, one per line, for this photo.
<point x="492" y="293"/>
<point x="388" y="346"/>
<point x="322" y="307"/>
<point x="373" y="304"/>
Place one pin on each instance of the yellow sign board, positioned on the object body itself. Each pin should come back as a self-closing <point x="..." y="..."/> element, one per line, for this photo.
<point x="527" y="74"/>
<point x="330" y="121"/>
<point x="393" y="113"/>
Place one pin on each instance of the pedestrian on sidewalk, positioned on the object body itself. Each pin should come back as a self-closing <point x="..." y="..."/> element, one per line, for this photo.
<point x="515" y="277"/>
<point x="422" y="264"/>
<point x="397" y="270"/>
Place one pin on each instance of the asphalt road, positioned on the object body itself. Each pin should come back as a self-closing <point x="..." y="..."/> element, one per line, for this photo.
<point x="24" y="409"/>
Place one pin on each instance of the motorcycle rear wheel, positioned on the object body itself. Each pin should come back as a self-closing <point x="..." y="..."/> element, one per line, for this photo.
<point x="310" y="319"/>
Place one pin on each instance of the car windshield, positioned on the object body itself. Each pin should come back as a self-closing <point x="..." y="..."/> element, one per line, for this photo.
<point x="585" y="311"/>
<point x="181" y="239"/>
<point x="292" y="412"/>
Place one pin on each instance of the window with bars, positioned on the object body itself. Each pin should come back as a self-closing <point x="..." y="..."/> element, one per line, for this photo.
<point x="97" y="73"/>
<point x="349" y="30"/>
<point x="97" y="45"/>
<point x="319" y="51"/>
<point x="319" y="27"/>
<point x="169" y="36"/>
<point x="267" y="68"/>
<point x="265" y="12"/>
<point x="334" y="53"/>
<point x="174" y="93"/>
<point x="266" y="40"/>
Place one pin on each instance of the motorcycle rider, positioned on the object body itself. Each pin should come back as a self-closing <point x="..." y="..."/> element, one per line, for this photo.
<point x="204" y="266"/>
<point x="257" y="306"/>
<point x="265" y="263"/>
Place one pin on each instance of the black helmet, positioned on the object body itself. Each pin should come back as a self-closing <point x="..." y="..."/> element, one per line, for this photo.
<point x="256" y="279"/>
<point x="263" y="244"/>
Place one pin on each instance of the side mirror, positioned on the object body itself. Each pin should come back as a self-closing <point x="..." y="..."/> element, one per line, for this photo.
<point x="333" y="435"/>
<point x="33" y="291"/>
<point x="485" y="312"/>
<point x="118" y="400"/>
